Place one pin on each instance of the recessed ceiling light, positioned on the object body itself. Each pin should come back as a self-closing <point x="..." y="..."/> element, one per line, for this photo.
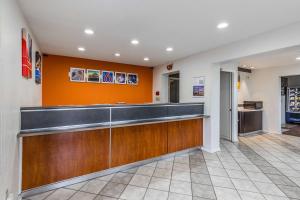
<point x="146" y="59"/>
<point x="89" y="31"/>
<point x="81" y="49"/>
<point x="135" y="42"/>
<point x="117" y="54"/>
<point x="222" y="25"/>
<point x="298" y="58"/>
<point x="169" y="49"/>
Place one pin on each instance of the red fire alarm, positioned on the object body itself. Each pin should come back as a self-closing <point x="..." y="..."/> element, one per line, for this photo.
<point x="157" y="93"/>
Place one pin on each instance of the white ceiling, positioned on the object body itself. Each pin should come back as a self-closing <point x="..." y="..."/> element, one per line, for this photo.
<point x="187" y="25"/>
<point x="282" y="57"/>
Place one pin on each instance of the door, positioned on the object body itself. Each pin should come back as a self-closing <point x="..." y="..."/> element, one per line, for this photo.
<point x="226" y="105"/>
<point x="174" y="88"/>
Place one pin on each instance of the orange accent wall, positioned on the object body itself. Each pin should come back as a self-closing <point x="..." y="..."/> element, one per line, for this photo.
<point x="57" y="89"/>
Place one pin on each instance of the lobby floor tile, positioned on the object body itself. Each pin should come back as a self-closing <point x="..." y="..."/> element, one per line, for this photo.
<point x="133" y="193"/>
<point x="258" y="167"/>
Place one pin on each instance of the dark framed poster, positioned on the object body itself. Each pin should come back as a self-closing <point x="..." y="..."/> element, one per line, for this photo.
<point x="38" y="68"/>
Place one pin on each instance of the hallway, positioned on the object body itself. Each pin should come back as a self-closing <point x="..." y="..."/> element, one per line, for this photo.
<point x="263" y="166"/>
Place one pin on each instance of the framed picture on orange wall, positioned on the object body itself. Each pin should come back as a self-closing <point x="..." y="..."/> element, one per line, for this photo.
<point x="120" y="77"/>
<point x="93" y="76"/>
<point x="77" y="74"/>
<point x="107" y="77"/>
<point x="132" y="79"/>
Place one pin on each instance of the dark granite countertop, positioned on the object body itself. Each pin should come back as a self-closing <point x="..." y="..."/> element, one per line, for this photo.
<point x="104" y="106"/>
<point x="47" y="120"/>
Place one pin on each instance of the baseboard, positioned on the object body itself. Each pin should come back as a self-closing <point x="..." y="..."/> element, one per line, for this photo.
<point x="251" y="133"/>
<point x="272" y="132"/>
<point x="214" y="150"/>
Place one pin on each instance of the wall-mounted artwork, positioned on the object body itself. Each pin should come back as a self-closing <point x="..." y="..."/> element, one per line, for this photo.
<point x="107" y="77"/>
<point x="132" y="79"/>
<point x="38" y="68"/>
<point x="26" y="54"/>
<point x="93" y="75"/>
<point x="29" y="42"/>
<point x="198" y="86"/>
<point x="120" y="78"/>
<point x="77" y="74"/>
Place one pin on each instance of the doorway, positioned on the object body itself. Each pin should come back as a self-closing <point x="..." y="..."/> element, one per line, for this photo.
<point x="290" y="105"/>
<point x="226" y="83"/>
<point x="174" y="87"/>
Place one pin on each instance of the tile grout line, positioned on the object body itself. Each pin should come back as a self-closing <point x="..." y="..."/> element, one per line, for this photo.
<point x="171" y="177"/>
<point x="48" y="194"/>
<point x="244" y="173"/>
<point x="191" y="175"/>
<point x="284" y="146"/>
<point x="190" y="172"/>
<point x="209" y="176"/>
<point x="281" y="173"/>
<point x="270" y="143"/>
<point x="287" y="139"/>
<point x="277" y="185"/>
<point x="147" y="188"/>
<point x="266" y="159"/>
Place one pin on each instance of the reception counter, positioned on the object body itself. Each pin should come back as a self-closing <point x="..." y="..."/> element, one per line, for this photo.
<point x="65" y="145"/>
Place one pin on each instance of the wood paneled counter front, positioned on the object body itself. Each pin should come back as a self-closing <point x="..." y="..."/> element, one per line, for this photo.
<point x="51" y="154"/>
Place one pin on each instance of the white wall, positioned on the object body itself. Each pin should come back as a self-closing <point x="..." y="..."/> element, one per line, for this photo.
<point x="15" y="92"/>
<point x="266" y="86"/>
<point x="244" y="93"/>
<point x="294" y="81"/>
<point x="204" y="64"/>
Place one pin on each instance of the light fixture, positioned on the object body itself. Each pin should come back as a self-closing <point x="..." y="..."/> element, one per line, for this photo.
<point x="89" y="31"/>
<point x="169" y="49"/>
<point x="135" y="42"/>
<point x="146" y="59"/>
<point x="298" y="58"/>
<point x="81" y="49"/>
<point x="222" y="25"/>
<point x="117" y="54"/>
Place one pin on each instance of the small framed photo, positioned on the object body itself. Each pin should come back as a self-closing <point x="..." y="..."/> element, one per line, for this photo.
<point x="198" y="90"/>
<point x="93" y="75"/>
<point x="132" y="79"/>
<point x="107" y="77"/>
<point x="198" y="86"/>
<point x="77" y="74"/>
<point x="120" y="77"/>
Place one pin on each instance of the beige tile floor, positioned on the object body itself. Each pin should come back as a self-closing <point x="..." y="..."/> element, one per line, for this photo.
<point x="259" y="167"/>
